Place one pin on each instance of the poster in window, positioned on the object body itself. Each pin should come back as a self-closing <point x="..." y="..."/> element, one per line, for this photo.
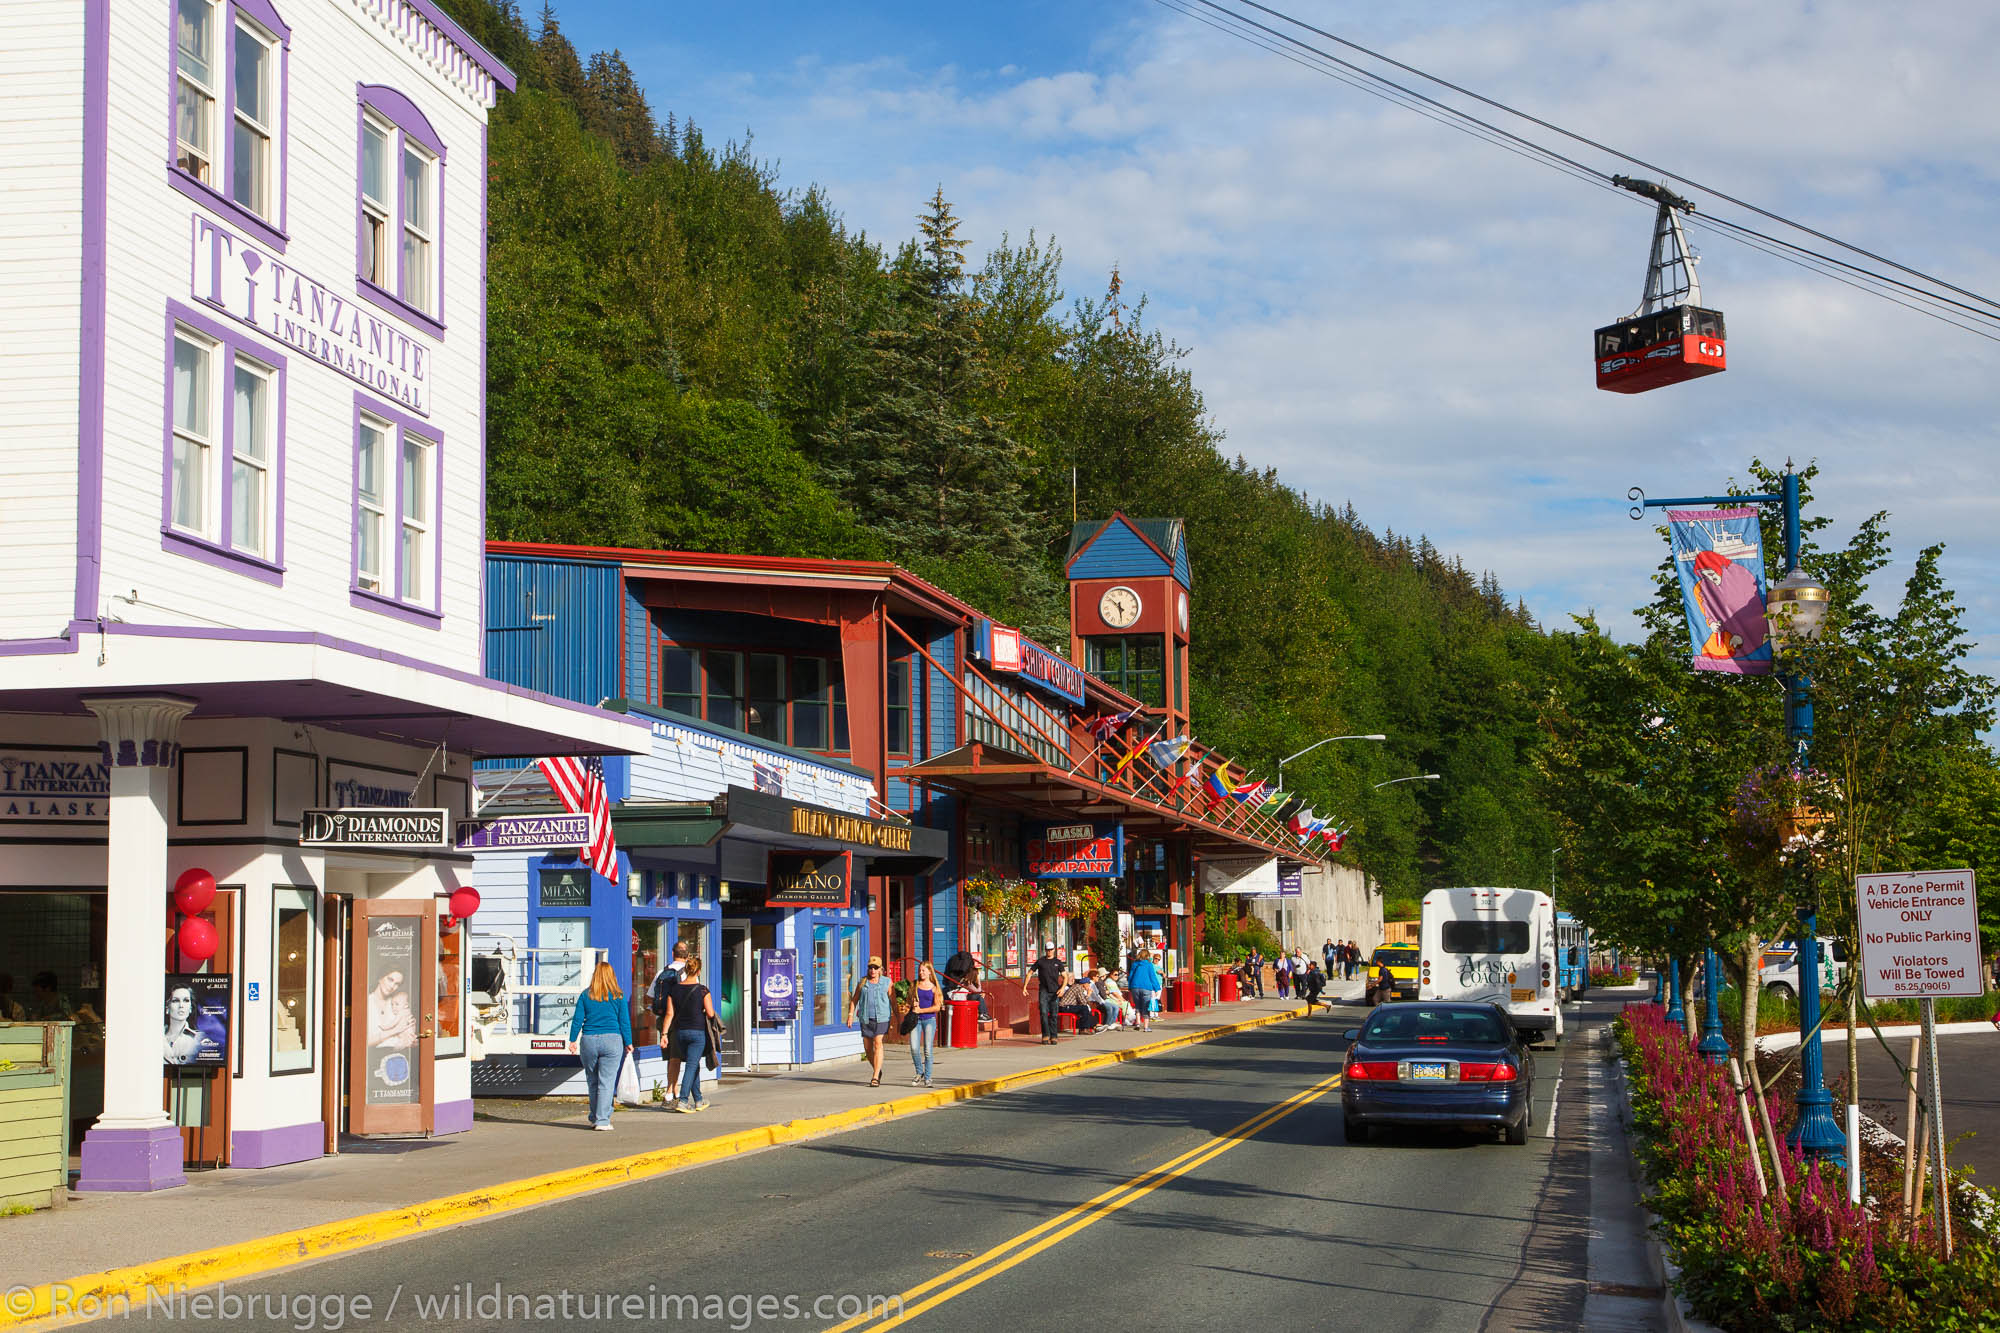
<point x="391" y="1075"/>
<point x="197" y="1028"/>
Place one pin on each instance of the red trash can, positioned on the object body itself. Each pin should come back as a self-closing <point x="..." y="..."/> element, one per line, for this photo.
<point x="1226" y="986"/>
<point x="962" y="1019"/>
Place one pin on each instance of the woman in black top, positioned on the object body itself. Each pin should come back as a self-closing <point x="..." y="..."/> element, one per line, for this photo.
<point x="685" y="1025"/>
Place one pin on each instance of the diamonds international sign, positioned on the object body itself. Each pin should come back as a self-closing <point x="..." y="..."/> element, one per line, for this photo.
<point x="377" y="826"/>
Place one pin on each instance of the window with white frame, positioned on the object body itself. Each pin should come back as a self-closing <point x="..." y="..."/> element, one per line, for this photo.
<point x="225" y="445"/>
<point x="229" y="73"/>
<point x="395" y="512"/>
<point x="398" y="253"/>
<point x="371" y="517"/>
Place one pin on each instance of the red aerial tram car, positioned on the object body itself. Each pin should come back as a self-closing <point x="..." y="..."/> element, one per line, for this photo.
<point x="1671" y="337"/>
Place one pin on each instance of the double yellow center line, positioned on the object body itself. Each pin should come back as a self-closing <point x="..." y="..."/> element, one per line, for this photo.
<point x="1033" y="1241"/>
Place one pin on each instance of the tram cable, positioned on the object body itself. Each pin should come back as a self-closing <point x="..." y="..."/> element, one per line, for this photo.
<point x="1221" y="18"/>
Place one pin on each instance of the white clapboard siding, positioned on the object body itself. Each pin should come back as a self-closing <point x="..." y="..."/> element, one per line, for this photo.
<point x="688" y="764"/>
<point x="336" y="45"/>
<point x="41" y="257"/>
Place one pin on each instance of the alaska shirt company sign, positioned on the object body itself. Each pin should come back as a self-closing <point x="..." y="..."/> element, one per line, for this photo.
<point x="254" y="287"/>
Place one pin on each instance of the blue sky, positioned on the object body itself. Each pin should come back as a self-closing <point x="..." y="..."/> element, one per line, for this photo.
<point x="1397" y="315"/>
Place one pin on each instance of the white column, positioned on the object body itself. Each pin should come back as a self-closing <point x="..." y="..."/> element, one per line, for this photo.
<point x="133" y="1146"/>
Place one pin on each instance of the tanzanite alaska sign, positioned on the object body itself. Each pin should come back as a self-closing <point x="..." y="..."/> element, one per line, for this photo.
<point x="260" y="289"/>
<point x="54" y="784"/>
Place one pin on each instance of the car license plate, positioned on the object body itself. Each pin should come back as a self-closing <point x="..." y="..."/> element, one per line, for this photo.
<point x="1521" y="996"/>
<point x="1427" y="1071"/>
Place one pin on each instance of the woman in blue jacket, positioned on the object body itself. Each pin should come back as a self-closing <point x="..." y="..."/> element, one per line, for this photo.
<point x="600" y="1032"/>
<point x="1144" y="979"/>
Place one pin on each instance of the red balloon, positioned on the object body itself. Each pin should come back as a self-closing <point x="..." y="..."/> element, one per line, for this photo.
<point x="198" y="939"/>
<point x="448" y="925"/>
<point x="464" y="902"/>
<point x="194" y="891"/>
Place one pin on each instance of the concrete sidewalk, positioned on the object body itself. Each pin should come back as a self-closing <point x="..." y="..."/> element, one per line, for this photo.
<point x="512" y="1141"/>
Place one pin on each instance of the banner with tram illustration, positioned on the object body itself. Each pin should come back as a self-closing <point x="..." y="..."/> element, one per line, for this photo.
<point x="1719" y="555"/>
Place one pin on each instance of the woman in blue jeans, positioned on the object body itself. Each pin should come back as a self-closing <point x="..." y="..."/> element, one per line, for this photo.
<point x="689" y="1009"/>
<point x="600" y="1032"/>
<point x="927" y="1003"/>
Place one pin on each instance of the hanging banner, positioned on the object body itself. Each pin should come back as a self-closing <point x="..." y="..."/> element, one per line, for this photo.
<point x="1719" y="555"/>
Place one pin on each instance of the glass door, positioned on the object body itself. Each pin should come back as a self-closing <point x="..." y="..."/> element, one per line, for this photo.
<point x="731" y="980"/>
<point x="393" y="1024"/>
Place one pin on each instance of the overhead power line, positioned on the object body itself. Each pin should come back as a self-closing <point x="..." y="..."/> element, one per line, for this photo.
<point x="1933" y="301"/>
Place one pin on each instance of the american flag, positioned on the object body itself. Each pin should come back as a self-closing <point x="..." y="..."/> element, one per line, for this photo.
<point x="579" y="785"/>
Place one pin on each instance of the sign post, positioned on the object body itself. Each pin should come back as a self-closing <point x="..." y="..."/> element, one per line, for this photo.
<point x="1920" y="937"/>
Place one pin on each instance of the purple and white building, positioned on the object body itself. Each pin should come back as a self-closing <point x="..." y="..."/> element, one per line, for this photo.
<point x="242" y="341"/>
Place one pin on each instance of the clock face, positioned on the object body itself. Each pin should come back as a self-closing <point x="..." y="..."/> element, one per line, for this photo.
<point x="1119" y="606"/>
<point x="1180" y="605"/>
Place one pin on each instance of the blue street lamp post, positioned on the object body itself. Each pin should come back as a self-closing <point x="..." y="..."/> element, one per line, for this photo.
<point x="1797" y="604"/>
<point x="1659" y="984"/>
<point x="1713" y="1044"/>
<point x="1676" y="1006"/>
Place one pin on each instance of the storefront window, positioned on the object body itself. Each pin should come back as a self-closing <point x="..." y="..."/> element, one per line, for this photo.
<point x="451" y="987"/>
<point x="725" y="688"/>
<point x="647" y="959"/>
<point x="680" y="680"/>
<point x="766" y="694"/>
<point x="560" y="944"/>
<point x="850" y="957"/>
<point x="694" y="934"/>
<point x="898" y="706"/>
<point x="823" y="995"/>
<point x="292" y="941"/>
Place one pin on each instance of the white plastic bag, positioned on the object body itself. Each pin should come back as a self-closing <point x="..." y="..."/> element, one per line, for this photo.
<point x="628" y="1083"/>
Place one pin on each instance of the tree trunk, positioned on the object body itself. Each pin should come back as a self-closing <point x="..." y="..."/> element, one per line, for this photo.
<point x="1753" y="957"/>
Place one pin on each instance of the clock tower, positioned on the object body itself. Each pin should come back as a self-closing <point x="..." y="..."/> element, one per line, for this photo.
<point x="1128" y="610"/>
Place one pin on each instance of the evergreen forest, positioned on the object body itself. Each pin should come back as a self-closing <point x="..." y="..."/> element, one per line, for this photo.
<point x="686" y="352"/>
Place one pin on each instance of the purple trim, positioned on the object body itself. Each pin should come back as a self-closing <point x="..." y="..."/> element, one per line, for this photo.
<point x="407" y="120"/>
<point x="273" y="236"/>
<point x="35" y="647"/>
<point x="254" y="1148"/>
<point x="451" y="1117"/>
<point x="90" y="318"/>
<point x="132" y="1160"/>
<point x="399" y="605"/>
<point x="220" y="553"/>
<point x="478" y="54"/>
<point x="319" y="640"/>
<point x="479" y="333"/>
<point x="155" y="754"/>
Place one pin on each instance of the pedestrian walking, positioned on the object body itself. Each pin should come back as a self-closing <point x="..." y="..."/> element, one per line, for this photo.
<point x="1330" y="955"/>
<point x="1050" y="978"/>
<point x="1311" y="983"/>
<point x="690" y="1008"/>
<point x="600" y="1033"/>
<point x="929" y="1003"/>
<point x="1145" y="980"/>
<point x="669" y="974"/>
<point x="1353" y="958"/>
<point x="869" y="1007"/>
<point x="1284" y="971"/>
<point x="1257" y="970"/>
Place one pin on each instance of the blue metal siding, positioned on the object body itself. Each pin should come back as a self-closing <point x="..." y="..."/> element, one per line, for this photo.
<point x="638" y="643"/>
<point x="942" y="884"/>
<point x="940" y="697"/>
<point x="1182" y="570"/>
<point x="552" y="626"/>
<point x="1118" y="553"/>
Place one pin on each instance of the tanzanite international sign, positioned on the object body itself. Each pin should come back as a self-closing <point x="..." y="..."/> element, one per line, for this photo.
<point x="1719" y="554"/>
<point x="502" y="833"/>
<point x="50" y="784"/>
<point x="777" y="985"/>
<point x="253" y="286"/>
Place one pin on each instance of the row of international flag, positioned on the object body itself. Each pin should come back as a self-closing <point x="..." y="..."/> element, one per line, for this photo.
<point x="1218" y="789"/>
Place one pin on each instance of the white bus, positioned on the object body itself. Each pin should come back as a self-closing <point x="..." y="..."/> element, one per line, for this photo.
<point x="1496" y="945"/>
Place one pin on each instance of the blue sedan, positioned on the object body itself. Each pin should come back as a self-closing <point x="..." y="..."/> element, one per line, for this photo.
<point x="1445" y="1065"/>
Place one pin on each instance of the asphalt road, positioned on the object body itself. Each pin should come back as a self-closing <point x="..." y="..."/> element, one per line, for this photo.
<point x="1205" y="1187"/>
<point x="1970" y="1076"/>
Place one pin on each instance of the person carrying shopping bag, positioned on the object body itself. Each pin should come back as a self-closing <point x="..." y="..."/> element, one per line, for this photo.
<point x="600" y="1033"/>
<point x="927" y="1002"/>
<point x="690" y="1010"/>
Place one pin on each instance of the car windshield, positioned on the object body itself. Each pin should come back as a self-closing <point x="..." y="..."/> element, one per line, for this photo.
<point x="1397" y="957"/>
<point x="1424" y="1024"/>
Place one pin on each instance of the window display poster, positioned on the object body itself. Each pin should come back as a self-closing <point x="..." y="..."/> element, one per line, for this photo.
<point x="392" y="1021"/>
<point x="777" y="985"/>
<point x="197" y="1031"/>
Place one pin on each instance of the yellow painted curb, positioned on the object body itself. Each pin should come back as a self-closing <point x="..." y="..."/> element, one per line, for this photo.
<point x="103" y="1293"/>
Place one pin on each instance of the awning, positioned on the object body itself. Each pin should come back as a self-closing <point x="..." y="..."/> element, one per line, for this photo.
<point x="886" y="846"/>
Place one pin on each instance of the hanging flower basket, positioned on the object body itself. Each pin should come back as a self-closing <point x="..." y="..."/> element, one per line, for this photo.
<point x="1001" y="900"/>
<point x="1075" y="897"/>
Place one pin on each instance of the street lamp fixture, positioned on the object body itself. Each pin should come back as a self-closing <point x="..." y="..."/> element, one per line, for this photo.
<point x="1797" y="606"/>
<point x="1377" y="736"/>
<point x="1415" y="777"/>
